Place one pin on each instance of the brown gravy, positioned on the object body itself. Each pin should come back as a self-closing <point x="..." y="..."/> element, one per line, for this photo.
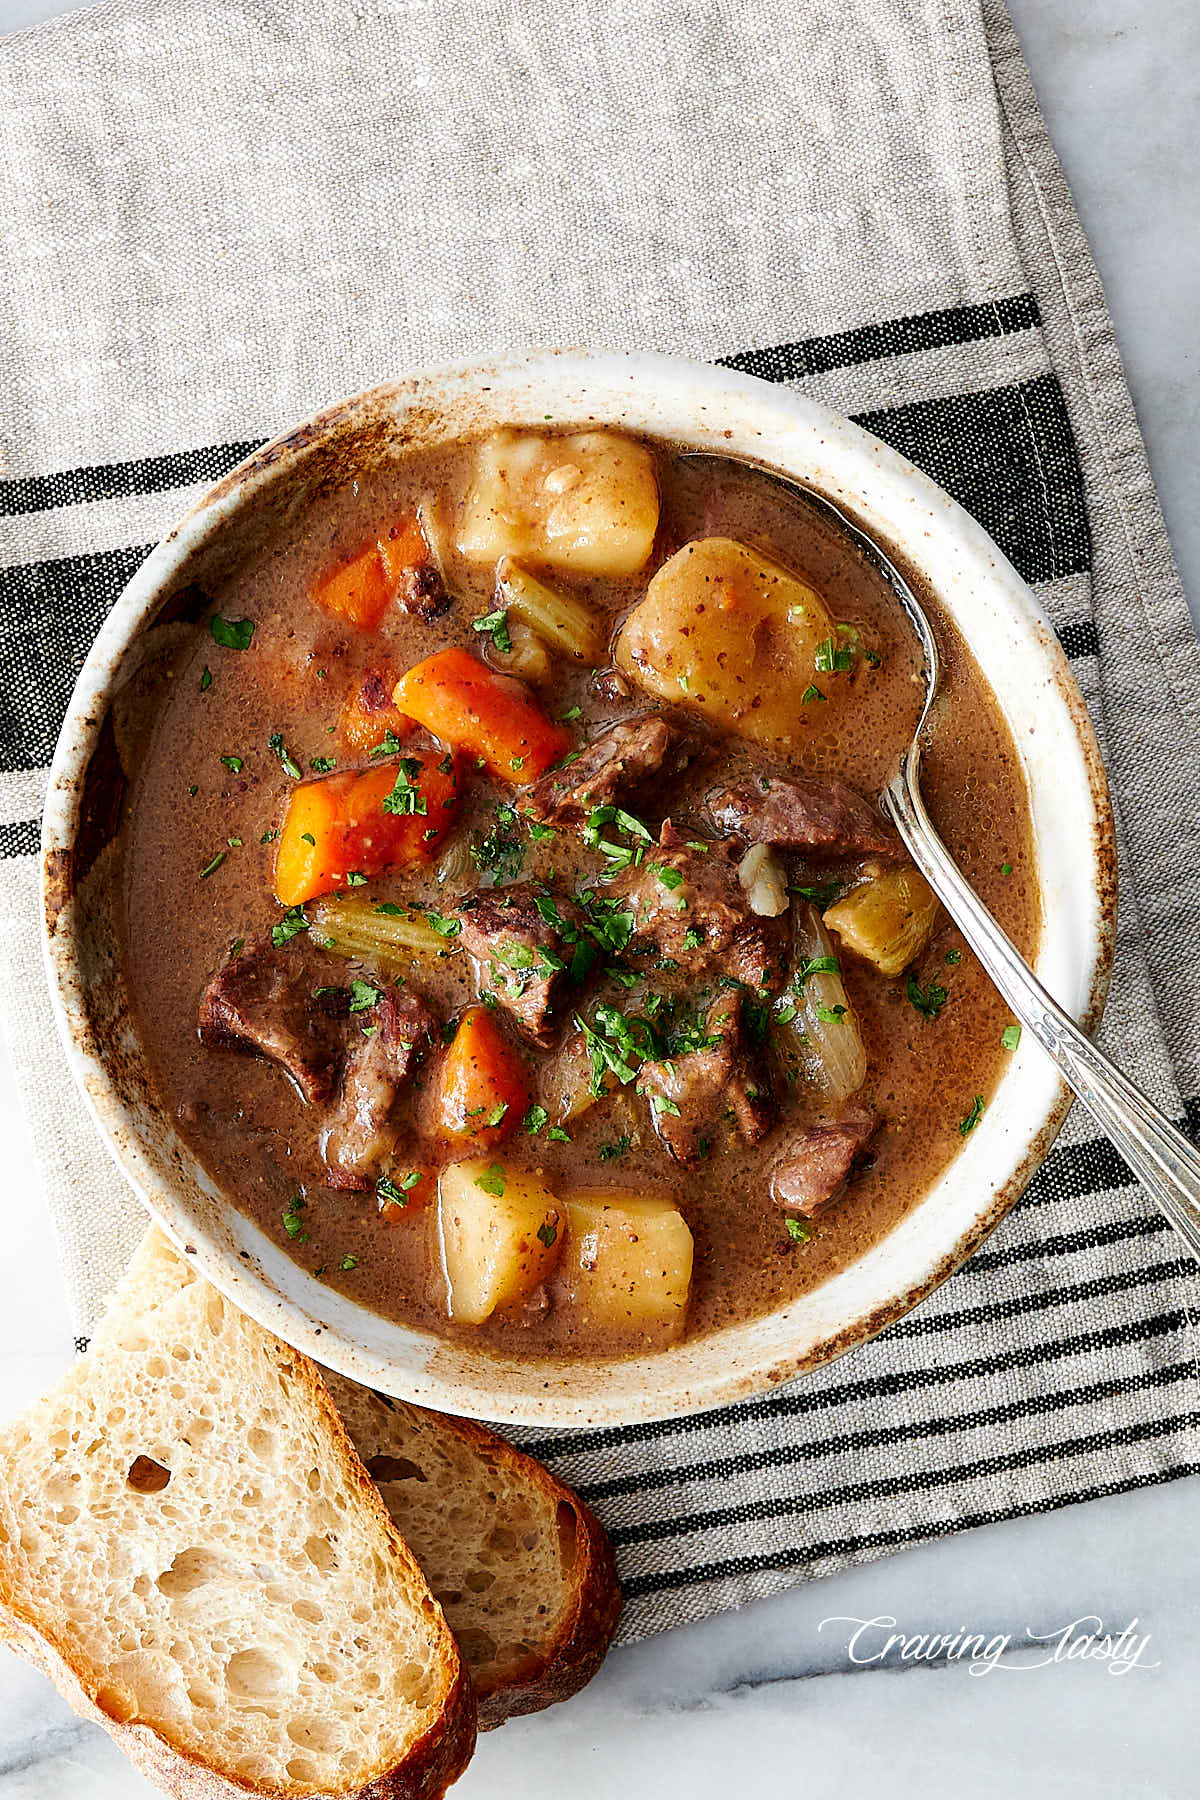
<point x="248" y="1126"/>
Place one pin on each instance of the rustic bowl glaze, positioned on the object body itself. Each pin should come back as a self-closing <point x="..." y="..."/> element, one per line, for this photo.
<point x="708" y="409"/>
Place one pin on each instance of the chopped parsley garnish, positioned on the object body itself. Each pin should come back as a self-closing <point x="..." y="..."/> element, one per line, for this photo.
<point x="348" y="1262"/>
<point x="306" y="837"/>
<point x="821" y="893"/>
<point x="233" y="763"/>
<point x="928" y="1001"/>
<point x="268" y="837"/>
<point x="193" y="790"/>
<point x="609" y="921"/>
<point x="205" y="679"/>
<point x="388" y="745"/>
<point x="363" y="996"/>
<point x="663" y="1103"/>
<point x="210" y="868"/>
<point x="496" y="623"/>
<point x="237" y="946"/>
<point x="355" y="878"/>
<point x="234" y="843"/>
<point x="557" y="1135"/>
<point x="954" y="957"/>
<point x="547" y="1233"/>
<point x="831" y="659"/>
<point x="692" y="940"/>
<point x="406" y="798"/>
<point x="538" y="832"/>
<point x="321" y="765"/>
<point x="290" y="765"/>
<point x="293" y="922"/>
<point x="798" y="1231"/>
<point x="492" y="1181"/>
<point x="572" y="712"/>
<point x="293" y="1224"/>
<point x="447" y="928"/>
<point x="811" y="693"/>
<point x="815" y="965"/>
<point x="232" y="634"/>
<point x="535" y="1118"/>
<point x="496" y="1114"/>
<point x="613" y="1151"/>
<point x="1010" y="1037"/>
<point x="618" y="856"/>
<point x="1006" y="868"/>
<point x="388" y="1194"/>
<point x="829" y="1015"/>
<point x="973" y="1117"/>
<point x="669" y="877"/>
<point x="500" y="853"/>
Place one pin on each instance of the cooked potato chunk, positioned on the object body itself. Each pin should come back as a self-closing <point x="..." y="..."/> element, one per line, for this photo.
<point x="499" y="1235"/>
<point x="729" y="633"/>
<point x="887" y="920"/>
<point x="630" y="1262"/>
<point x="588" y="502"/>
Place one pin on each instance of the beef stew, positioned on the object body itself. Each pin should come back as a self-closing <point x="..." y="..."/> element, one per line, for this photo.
<point x="511" y="927"/>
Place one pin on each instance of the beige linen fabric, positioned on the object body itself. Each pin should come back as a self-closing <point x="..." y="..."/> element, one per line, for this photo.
<point x="220" y="217"/>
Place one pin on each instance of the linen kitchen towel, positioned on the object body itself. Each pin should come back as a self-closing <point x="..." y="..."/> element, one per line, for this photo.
<point x="220" y="215"/>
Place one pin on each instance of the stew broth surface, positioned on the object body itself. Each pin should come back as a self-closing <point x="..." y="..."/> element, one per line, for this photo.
<point x="247" y="1124"/>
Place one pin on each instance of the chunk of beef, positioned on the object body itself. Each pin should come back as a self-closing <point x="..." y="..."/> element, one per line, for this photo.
<point x="260" y="1003"/>
<point x="520" y="956"/>
<point x="692" y="1092"/>
<point x="820" y="1159"/>
<point x="691" y="910"/>
<point x="387" y="1042"/>
<point x="616" y="762"/>
<point x="422" y="591"/>
<point x="820" y="814"/>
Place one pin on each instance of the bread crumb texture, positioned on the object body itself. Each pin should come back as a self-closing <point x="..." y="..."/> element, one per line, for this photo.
<point x="496" y="1545"/>
<point x="182" y="1522"/>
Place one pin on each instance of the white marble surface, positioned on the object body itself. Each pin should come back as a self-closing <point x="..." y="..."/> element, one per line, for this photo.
<point x="767" y="1699"/>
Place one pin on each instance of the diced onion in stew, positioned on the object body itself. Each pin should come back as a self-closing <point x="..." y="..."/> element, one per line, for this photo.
<point x="830" y="1042"/>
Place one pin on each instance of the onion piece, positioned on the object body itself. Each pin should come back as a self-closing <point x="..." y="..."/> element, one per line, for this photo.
<point x="762" y="875"/>
<point x="826" y="1031"/>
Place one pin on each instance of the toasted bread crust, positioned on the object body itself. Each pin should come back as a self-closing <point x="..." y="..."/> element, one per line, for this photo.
<point x="587" y="1628"/>
<point x="586" y="1634"/>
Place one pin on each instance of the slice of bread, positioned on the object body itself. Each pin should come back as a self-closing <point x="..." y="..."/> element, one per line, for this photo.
<point x="522" y="1569"/>
<point x="192" y="1550"/>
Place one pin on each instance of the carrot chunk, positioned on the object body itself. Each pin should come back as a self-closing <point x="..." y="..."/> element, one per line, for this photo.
<point x="310" y="857"/>
<point x="483" y="1092"/>
<point x="369" y="715"/>
<point x="493" y="717"/>
<point x="343" y="828"/>
<point x="405" y="1192"/>
<point x="361" y="590"/>
<point x="399" y="812"/>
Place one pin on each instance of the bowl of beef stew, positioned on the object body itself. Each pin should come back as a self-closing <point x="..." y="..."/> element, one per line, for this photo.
<point x="469" y="913"/>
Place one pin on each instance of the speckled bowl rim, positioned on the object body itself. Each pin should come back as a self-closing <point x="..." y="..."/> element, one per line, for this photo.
<point x="707" y="408"/>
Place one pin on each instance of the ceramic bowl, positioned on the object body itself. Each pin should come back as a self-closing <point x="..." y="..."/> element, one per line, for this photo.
<point x="705" y="408"/>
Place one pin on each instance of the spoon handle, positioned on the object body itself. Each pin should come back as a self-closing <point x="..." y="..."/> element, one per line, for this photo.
<point x="1164" y="1161"/>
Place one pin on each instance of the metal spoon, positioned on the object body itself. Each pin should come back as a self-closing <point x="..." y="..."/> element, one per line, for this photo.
<point x="1164" y="1161"/>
